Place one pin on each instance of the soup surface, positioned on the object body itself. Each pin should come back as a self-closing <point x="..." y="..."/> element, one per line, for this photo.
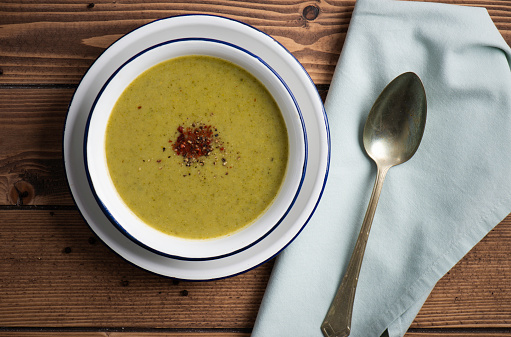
<point x="197" y="147"/>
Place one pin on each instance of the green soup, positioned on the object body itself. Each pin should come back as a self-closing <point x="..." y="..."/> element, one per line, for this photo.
<point x="197" y="147"/>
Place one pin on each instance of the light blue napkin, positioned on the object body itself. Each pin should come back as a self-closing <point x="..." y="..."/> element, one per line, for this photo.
<point x="434" y="208"/>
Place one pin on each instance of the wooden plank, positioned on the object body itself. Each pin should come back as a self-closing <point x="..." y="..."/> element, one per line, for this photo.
<point x="477" y="291"/>
<point x="31" y="166"/>
<point x="55" y="42"/>
<point x="61" y="333"/>
<point x="55" y="273"/>
<point x="64" y="333"/>
<point x="433" y="333"/>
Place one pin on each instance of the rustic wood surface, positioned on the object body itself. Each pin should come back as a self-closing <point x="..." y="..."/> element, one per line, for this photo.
<point x="58" y="279"/>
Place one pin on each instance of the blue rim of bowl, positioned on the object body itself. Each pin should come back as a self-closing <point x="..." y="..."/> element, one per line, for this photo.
<point x="105" y="209"/>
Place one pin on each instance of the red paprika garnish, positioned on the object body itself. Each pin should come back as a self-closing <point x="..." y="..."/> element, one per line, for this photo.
<point x="194" y="142"/>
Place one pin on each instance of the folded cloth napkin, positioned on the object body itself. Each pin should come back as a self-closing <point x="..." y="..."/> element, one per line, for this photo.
<point x="434" y="208"/>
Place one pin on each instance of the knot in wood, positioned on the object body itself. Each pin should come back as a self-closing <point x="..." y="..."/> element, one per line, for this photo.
<point x="310" y="12"/>
<point x="21" y="193"/>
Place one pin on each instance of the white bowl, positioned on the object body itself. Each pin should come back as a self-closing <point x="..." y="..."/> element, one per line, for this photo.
<point x="120" y="214"/>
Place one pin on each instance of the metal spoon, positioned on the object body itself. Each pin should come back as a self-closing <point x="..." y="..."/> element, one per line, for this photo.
<point x="392" y="134"/>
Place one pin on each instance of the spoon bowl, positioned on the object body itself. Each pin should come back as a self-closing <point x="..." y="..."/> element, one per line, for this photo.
<point x="392" y="134"/>
<point x="395" y="125"/>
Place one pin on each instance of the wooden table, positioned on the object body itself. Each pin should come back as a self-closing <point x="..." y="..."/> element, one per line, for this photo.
<point x="58" y="279"/>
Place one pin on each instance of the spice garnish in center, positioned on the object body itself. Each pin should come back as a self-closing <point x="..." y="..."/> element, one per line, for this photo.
<point x="194" y="142"/>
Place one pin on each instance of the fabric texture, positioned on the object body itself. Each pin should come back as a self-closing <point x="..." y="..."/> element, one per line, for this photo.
<point x="434" y="208"/>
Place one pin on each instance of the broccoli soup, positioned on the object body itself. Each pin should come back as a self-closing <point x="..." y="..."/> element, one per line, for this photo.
<point x="197" y="147"/>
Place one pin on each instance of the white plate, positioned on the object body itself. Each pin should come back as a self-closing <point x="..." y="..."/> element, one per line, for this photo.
<point x="214" y="27"/>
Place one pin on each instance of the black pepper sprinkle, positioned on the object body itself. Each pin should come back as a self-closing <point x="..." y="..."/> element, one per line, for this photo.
<point x="67" y="250"/>
<point x="184" y="292"/>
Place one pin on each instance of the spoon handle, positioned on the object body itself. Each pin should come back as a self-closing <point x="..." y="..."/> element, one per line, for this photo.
<point x="337" y="322"/>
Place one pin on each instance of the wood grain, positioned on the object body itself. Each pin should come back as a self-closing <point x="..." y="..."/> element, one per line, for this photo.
<point x="477" y="289"/>
<point x="54" y="272"/>
<point x="424" y="333"/>
<point x="428" y="333"/>
<point x="433" y="333"/>
<point x="31" y="163"/>
<point x="131" y="334"/>
<point x="55" y="42"/>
